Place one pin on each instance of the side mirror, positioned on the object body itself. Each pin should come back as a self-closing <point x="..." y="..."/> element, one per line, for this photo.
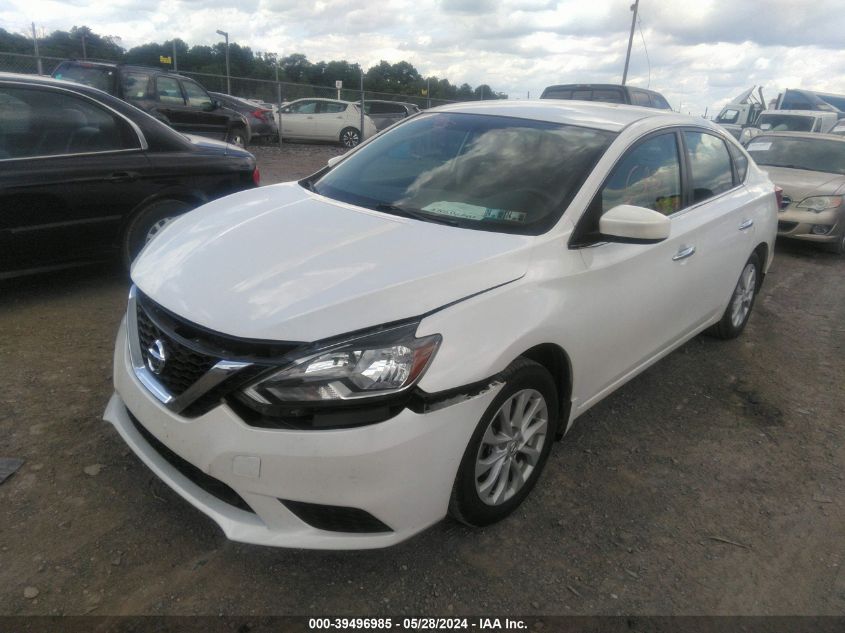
<point x="334" y="160"/>
<point x="636" y="224"/>
<point x="215" y="105"/>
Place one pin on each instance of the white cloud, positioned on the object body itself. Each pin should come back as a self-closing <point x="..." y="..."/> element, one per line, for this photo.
<point x="701" y="54"/>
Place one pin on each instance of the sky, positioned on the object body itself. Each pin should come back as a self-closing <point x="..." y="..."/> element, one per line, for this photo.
<point x="698" y="54"/>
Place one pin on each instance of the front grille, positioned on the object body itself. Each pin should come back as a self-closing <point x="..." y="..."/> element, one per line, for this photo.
<point x="786" y="226"/>
<point x="206" y="482"/>
<point x="336" y="518"/>
<point x="183" y="367"/>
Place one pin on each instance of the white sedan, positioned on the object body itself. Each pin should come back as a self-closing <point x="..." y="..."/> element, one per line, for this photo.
<point x="325" y="120"/>
<point x="340" y="362"/>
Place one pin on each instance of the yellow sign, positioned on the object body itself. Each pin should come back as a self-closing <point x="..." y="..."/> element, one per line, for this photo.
<point x="165" y="60"/>
<point x="424" y="92"/>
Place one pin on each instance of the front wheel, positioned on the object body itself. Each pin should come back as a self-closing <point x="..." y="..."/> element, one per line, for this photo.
<point x="509" y="447"/>
<point x="349" y="137"/>
<point x="742" y="300"/>
<point x="147" y="224"/>
<point x="838" y="246"/>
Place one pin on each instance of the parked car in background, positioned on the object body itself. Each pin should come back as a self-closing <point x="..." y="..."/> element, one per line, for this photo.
<point x="176" y="100"/>
<point x="406" y="332"/>
<point x="608" y="93"/>
<point x="386" y="113"/>
<point x="84" y="174"/>
<point x="839" y="128"/>
<point x="325" y="120"/>
<point x="810" y="168"/>
<point x="261" y="120"/>
<point x="790" y="121"/>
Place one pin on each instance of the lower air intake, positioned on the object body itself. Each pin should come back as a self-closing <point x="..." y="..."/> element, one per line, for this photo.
<point x="336" y="518"/>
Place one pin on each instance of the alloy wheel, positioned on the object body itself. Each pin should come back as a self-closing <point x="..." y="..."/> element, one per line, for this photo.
<point x="157" y="228"/>
<point x="511" y="447"/>
<point x="743" y="295"/>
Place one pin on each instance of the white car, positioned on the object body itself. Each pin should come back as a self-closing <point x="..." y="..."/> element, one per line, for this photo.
<point x="325" y="120"/>
<point x="339" y="362"/>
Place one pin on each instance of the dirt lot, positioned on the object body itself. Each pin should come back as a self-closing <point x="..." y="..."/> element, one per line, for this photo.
<point x="711" y="484"/>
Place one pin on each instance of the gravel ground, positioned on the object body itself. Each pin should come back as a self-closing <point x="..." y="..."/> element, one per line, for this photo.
<point x="711" y="484"/>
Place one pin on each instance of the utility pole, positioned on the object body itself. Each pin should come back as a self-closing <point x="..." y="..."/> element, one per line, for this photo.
<point x="37" y="56"/>
<point x="84" y="54"/>
<point x="634" y="8"/>
<point x="279" y="97"/>
<point x="428" y="91"/>
<point x="228" y="80"/>
<point x="175" y="65"/>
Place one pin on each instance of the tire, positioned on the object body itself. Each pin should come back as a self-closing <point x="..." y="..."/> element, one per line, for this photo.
<point x="146" y="224"/>
<point x="742" y="301"/>
<point x="237" y="136"/>
<point x="350" y="137"/>
<point x="487" y="497"/>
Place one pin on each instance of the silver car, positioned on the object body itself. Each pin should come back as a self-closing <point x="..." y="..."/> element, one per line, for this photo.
<point x="810" y="168"/>
<point x="386" y="113"/>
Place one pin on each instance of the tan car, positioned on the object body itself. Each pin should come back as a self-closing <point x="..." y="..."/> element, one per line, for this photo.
<point x="810" y="168"/>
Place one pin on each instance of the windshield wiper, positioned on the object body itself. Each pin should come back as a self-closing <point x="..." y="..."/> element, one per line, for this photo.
<point x="417" y="215"/>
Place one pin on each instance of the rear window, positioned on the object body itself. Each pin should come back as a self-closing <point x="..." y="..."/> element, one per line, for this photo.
<point x="95" y="76"/>
<point x="786" y="123"/>
<point x="811" y="154"/>
<point x="135" y="85"/>
<point x="553" y="93"/>
<point x="640" y="99"/>
<point x="660" y="102"/>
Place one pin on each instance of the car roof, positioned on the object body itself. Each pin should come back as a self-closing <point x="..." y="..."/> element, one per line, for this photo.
<point x="46" y="81"/>
<point x="600" y="86"/>
<point x="322" y="99"/>
<point x="612" y="117"/>
<point x="806" y="135"/>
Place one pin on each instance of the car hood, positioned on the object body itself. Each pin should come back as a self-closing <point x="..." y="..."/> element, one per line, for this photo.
<point x="213" y="146"/>
<point x="282" y="263"/>
<point x="800" y="183"/>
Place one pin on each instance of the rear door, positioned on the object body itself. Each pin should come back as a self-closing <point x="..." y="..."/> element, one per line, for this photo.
<point x="70" y="170"/>
<point x="329" y="120"/>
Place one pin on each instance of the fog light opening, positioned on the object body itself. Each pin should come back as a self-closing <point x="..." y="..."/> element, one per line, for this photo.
<point x="820" y="229"/>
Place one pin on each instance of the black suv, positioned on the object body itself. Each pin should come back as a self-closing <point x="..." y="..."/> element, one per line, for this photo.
<point x="178" y="101"/>
<point x="609" y="93"/>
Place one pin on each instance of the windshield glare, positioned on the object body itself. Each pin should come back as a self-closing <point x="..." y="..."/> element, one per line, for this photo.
<point x="477" y="171"/>
<point x="799" y="153"/>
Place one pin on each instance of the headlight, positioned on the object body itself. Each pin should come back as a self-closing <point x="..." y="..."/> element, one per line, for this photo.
<point x="366" y="366"/>
<point x="820" y="203"/>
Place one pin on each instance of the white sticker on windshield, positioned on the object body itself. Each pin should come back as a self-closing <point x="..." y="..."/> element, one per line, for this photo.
<point x="473" y="212"/>
<point x="759" y="147"/>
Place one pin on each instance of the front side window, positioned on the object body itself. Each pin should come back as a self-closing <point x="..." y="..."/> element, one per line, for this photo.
<point x="710" y="162"/>
<point x="135" y="85"/>
<point x="728" y="116"/>
<point x="331" y="107"/>
<point x="648" y="176"/>
<point x="475" y="171"/>
<point x="39" y="122"/>
<point x="304" y="107"/>
<point x="197" y="96"/>
<point x="168" y="91"/>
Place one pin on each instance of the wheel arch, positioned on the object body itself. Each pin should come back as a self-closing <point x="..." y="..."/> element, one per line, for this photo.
<point x="557" y="362"/>
<point x="187" y="196"/>
<point x="762" y="251"/>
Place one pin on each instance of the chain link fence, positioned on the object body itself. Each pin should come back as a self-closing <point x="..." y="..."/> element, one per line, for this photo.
<point x="262" y="89"/>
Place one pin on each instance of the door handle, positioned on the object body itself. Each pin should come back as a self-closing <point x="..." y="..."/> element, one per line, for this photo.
<point x="746" y="224"/>
<point x="686" y="251"/>
<point x="123" y="176"/>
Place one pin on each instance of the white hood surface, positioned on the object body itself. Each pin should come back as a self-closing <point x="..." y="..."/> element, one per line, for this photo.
<point x="282" y="263"/>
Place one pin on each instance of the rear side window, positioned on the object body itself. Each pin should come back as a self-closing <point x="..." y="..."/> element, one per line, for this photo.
<point x="557" y="94"/>
<point x="38" y="122"/>
<point x="304" y="107"/>
<point x="98" y="77"/>
<point x="197" y="96"/>
<point x="710" y="164"/>
<point x="330" y="107"/>
<point x="168" y="91"/>
<point x="648" y="176"/>
<point x="135" y="85"/>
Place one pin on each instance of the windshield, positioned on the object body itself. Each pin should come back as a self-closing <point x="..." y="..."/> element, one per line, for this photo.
<point x="94" y="76"/>
<point x="786" y="123"/>
<point x="799" y="153"/>
<point x="728" y="116"/>
<point x="476" y="171"/>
